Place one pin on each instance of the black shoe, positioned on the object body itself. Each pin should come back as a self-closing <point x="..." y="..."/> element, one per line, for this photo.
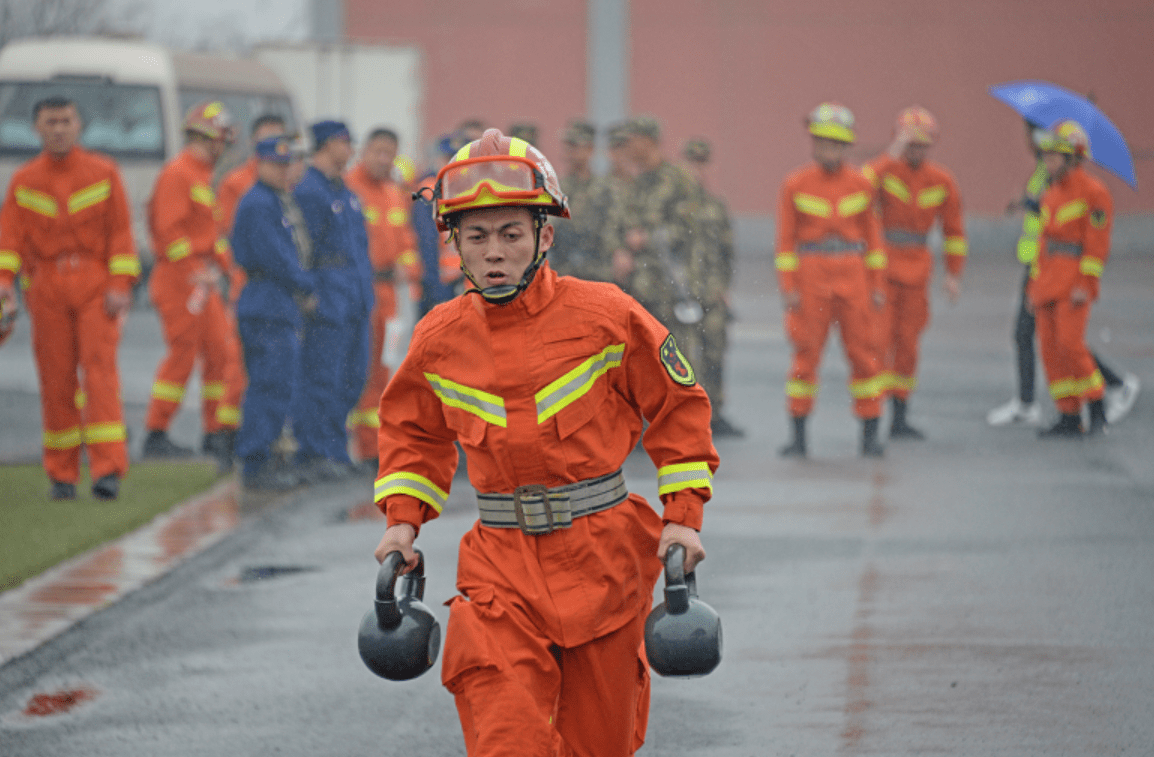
<point x="158" y="445"/>
<point x="63" y="490"/>
<point x="220" y="444"/>
<point x="796" y="448"/>
<point x="870" y="446"/>
<point x="1097" y="418"/>
<point x="106" y="487"/>
<point x="1069" y="426"/>
<point x="723" y="428"/>
<point x="899" y="427"/>
<point x="271" y="477"/>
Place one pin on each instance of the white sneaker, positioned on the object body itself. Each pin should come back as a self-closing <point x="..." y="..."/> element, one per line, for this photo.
<point x="1120" y="401"/>
<point x="1015" y="412"/>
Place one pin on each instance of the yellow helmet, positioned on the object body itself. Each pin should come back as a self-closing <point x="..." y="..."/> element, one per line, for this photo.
<point x="1065" y="137"/>
<point x="832" y="121"/>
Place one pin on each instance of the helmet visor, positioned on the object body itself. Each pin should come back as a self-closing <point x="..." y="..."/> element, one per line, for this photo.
<point x="505" y="177"/>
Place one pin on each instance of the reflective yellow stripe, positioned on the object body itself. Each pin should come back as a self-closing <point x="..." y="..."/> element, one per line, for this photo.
<point x="89" y="196"/>
<point x="365" y="418"/>
<point x="868" y="172"/>
<point x="97" y="433"/>
<point x="62" y="439"/>
<point x="932" y="197"/>
<point x="372" y="215"/>
<point x="876" y="260"/>
<point x="1027" y="249"/>
<point x="408" y="257"/>
<point x="9" y="261"/>
<point x="479" y="403"/>
<point x="220" y="246"/>
<point x="786" y="261"/>
<point x="1070" y="211"/>
<point x="894" y="381"/>
<point x="228" y="415"/>
<point x="398" y="217"/>
<point x="1044" y="216"/>
<point x="814" y="206"/>
<point x="896" y="187"/>
<point x="124" y="265"/>
<point x="518" y="147"/>
<point x="799" y="389"/>
<point x="853" y="204"/>
<point x="203" y="194"/>
<point x="674" y="478"/>
<point x="1076" y="387"/>
<point x="868" y="388"/>
<point x="412" y="484"/>
<point x="213" y="390"/>
<point x="166" y="390"/>
<point x="957" y="246"/>
<point x="1038" y="181"/>
<point x="576" y="383"/>
<point x="37" y="202"/>
<point x="1090" y="266"/>
<point x="179" y="249"/>
<point x="80" y="399"/>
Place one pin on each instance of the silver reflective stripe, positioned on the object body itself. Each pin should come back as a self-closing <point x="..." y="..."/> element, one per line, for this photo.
<point x="413" y="484"/>
<point x="1058" y="247"/>
<point x="479" y="403"/>
<point x="903" y="238"/>
<point x="577" y="382"/>
<point x="831" y="244"/>
<point x="499" y="510"/>
<point x="673" y="478"/>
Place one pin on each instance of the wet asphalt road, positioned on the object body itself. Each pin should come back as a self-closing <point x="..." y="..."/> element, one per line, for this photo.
<point x="981" y="593"/>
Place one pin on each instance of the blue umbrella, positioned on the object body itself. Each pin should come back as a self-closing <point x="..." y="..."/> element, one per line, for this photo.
<point x="1044" y="104"/>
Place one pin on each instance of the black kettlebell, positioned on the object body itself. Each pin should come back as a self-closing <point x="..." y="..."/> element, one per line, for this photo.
<point x="682" y="634"/>
<point x="399" y="638"/>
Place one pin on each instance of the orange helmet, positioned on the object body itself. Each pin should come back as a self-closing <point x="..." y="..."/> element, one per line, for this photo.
<point x="210" y="119"/>
<point x="497" y="171"/>
<point x="832" y="121"/>
<point x="1066" y="137"/>
<point x="918" y="124"/>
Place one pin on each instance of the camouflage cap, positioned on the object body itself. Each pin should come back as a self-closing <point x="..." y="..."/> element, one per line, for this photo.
<point x="645" y="126"/>
<point x="525" y="131"/>
<point x="696" y="150"/>
<point x="579" y="132"/>
<point x="618" y="134"/>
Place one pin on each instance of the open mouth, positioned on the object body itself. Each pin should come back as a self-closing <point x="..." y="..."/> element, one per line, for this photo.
<point x="495" y="278"/>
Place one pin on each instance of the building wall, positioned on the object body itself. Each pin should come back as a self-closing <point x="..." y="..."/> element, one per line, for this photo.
<point x="745" y="72"/>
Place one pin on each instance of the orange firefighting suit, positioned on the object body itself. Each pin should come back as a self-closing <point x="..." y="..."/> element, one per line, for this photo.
<point x="392" y="246"/>
<point x="66" y="222"/>
<point x="829" y="252"/>
<point x="910" y="200"/>
<point x="1077" y="213"/>
<point x="188" y="247"/>
<point x="542" y="646"/>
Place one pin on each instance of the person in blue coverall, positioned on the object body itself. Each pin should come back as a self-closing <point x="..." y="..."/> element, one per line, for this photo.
<point x="433" y="290"/>
<point x="335" y="346"/>
<point x="269" y="241"/>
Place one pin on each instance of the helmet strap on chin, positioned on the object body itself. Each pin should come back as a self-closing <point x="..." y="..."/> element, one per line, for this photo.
<point x="503" y="294"/>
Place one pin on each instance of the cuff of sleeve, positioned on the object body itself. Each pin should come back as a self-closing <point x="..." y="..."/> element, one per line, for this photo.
<point x="401" y="508"/>
<point x="1090" y="284"/>
<point x="121" y="283"/>
<point x="955" y="264"/>
<point x="685" y="507"/>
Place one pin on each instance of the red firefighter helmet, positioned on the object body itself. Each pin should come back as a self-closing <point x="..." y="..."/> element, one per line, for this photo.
<point x="211" y="119"/>
<point x="918" y="124"/>
<point x="1065" y="137"/>
<point x="832" y="121"/>
<point x="497" y="171"/>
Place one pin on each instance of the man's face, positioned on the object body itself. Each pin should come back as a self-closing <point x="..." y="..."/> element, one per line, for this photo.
<point x="1056" y="163"/>
<point x="577" y="156"/>
<point x="829" y="153"/>
<point x="276" y="175"/>
<point x="497" y="245"/>
<point x="915" y="154"/>
<point x="378" y="157"/>
<point x="620" y="157"/>
<point x="341" y="150"/>
<point x="59" y="128"/>
<point x="266" y="130"/>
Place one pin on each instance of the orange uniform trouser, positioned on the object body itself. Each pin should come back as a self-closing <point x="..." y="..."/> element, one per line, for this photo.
<point x="363" y="420"/>
<point x="1070" y="368"/>
<point x="519" y="694"/>
<point x="903" y="319"/>
<point x="189" y="335"/>
<point x="823" y="302"/>
<point x="70" y="330"/>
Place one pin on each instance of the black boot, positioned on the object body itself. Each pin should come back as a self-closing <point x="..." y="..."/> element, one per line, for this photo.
<point x="106" y="487"/>
<point x="1097" y="418"/>
<point x="63" y="490"/>
<point x="870" y="446"/>
<point x="899" y="428"/>
<point x="1069" y="426"/>
<point x="797" y="447"/>
<point x="157" y="444"/>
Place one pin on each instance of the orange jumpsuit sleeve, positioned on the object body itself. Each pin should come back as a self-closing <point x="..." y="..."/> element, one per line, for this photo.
<point x="955" y="247"/>
<point x="785" y="259"/>
<point x="661" y="383"/>
<point x="13" y="238"/>
<point x="1096" y="243"/>
<point x="175" y="231"/>
<point x="875" y="257"/>
<point x="123" y="263"/>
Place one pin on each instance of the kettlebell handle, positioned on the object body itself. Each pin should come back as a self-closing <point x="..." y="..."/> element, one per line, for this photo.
<point x="388" y="615"/>
<point x="679" y="585"/>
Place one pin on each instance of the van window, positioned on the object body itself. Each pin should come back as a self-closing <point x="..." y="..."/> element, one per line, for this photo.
<point x="121" y="120"/>
<point x="243" y="107"/>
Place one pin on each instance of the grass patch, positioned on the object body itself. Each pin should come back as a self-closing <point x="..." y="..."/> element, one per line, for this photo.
<point x="37" y="532"/>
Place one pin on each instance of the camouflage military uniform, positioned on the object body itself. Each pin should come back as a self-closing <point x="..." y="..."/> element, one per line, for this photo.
<point x="710" y="274"/>
<point x="578" y="247"/>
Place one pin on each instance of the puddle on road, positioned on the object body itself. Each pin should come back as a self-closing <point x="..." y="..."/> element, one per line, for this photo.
<point x="255" y="573"/>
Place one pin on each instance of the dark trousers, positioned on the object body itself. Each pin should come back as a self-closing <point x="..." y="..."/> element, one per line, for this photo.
<point x="334" y="366"/>
<point x="271" y="358"/>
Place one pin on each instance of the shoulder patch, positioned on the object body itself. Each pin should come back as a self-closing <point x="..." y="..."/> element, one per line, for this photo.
<point x="675" y="363"/>
<point x="1098" y="218"/>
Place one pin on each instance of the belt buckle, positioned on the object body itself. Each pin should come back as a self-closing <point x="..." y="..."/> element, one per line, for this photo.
<point x="532" y="490"/>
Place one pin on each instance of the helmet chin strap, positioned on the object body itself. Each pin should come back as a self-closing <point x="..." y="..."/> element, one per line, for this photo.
<point x="502" y="294"/>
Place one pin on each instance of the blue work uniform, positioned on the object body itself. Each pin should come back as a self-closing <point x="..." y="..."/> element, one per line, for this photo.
<point x="268" y="319"/>
<point x="433" y="290"/>
<point x="335" y="346"/>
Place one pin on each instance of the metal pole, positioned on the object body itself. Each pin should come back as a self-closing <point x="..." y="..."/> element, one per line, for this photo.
<point x="608" y="64"/>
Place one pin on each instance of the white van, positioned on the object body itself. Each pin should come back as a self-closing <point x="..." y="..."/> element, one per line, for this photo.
<point x="132" y="97"/>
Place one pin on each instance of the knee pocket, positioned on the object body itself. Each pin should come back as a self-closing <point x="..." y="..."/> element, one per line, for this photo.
<point x="469" y="645"/>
